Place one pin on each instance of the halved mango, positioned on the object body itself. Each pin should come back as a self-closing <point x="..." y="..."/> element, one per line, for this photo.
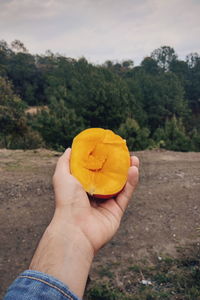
<point x="100" y="161"/>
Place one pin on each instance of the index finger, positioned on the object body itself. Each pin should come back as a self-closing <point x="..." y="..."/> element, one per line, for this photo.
<point x="63" y="162"/>
<point x="135" y="161"/>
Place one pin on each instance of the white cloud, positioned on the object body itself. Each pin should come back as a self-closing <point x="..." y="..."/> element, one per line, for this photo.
<point x="102" y="29"/>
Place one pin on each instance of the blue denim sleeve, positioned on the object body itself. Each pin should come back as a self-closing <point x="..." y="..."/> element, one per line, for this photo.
<point x="34" y="285"/>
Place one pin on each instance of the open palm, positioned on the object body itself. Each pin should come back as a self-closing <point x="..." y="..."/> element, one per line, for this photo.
<point x="97" y="220"/>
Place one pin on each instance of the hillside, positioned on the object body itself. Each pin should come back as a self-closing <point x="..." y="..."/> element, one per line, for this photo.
<point x="162" y="218"/>
<point x="47" y="99"/>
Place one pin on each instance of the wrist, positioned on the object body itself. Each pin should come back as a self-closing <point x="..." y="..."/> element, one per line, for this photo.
<point x="63" y="226"/>
<point x="65" y="253"/>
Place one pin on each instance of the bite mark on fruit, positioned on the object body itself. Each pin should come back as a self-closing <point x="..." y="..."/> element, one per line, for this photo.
<point x="95" y="163"/>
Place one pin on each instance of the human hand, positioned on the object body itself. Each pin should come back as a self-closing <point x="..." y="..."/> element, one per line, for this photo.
<point x="97" y="221"/>
<point x="80" y="227"/>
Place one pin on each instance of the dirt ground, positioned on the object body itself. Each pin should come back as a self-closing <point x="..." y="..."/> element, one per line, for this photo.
<point x="162" y="217"/>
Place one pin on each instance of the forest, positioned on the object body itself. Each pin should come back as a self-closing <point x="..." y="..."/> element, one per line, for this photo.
<point x="45" y="100"/>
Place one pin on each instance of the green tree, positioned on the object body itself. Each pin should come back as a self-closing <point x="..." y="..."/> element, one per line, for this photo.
<point x="150" y="65"/>
<point x="101" y="97"/>
<point x="107" y="96"/>
<point x="195" y="140"/>
<point x="12" y="117"/>
<point x="192" y="59"/>
<point x="25" y="77"/>
<point x="137" y="138"/>
<point x="173" y="136"/>
<point x="58" y="125"/>
<point x="164" y="57"/>
<point x="18" y="46"/>
<point x="14" y="130"/>
<point x="58" y="77"/>
<point x="193" y="84"/>
<point x="5" y="54"/>
<point x="119" y="68"/>
<point x="159" y="97"/>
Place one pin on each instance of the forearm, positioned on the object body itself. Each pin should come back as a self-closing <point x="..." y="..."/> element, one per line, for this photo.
<point x="65" y="253"/>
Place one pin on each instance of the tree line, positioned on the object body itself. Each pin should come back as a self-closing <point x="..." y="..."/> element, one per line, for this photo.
<point x="153" y="105"/>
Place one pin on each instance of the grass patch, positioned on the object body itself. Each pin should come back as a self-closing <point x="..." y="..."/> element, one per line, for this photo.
<point x="134" y="268"/>
<point x="171" y="279"/>
<point x="106" y="272"/>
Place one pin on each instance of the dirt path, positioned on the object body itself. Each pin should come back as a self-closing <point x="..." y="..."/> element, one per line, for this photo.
<point x="162" y="217"/>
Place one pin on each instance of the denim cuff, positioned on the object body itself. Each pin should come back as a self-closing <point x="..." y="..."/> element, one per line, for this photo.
<point x="35" y="285"/>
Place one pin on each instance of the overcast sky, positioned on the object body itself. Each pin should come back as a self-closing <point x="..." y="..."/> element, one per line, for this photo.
<point x="102" y="29"/>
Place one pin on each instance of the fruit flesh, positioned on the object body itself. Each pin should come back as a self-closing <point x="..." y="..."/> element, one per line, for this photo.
<point x="100" y="160"/>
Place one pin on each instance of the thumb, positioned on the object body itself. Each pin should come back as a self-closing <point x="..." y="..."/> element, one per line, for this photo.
<point x="125" y="196"/>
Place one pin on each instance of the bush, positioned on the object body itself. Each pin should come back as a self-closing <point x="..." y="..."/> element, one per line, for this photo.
<point x="102" y="292"/>
<point x="58" y="125"/>
<point x="30" y="140"/>
<point x="195" y="137"/>
<point x="137" y="138"/>
<point x="173" y="136"/>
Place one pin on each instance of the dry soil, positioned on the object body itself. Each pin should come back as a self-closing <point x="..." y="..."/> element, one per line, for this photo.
<point x="162" y="217"/>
